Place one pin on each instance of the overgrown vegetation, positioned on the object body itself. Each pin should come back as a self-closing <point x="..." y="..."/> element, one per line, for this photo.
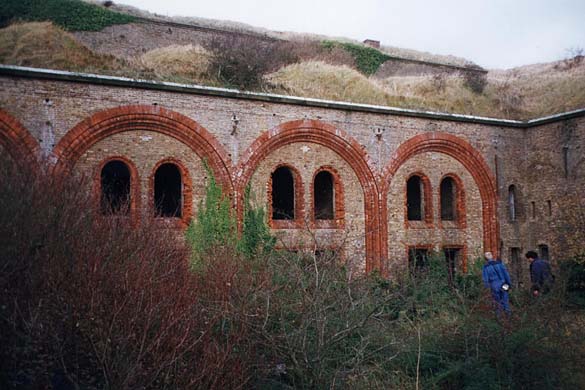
<point x="187" y="64"/>
<point x="72" y="15"/>
<point x="93" y="302"/>
<point x="44" y="45"/>
<point x="310" y="69"/>
<point x="241" y="61"/>
<point x="367" y="59"/>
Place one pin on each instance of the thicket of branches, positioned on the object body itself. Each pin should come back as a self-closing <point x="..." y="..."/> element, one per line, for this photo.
<point x="94" y="302"/>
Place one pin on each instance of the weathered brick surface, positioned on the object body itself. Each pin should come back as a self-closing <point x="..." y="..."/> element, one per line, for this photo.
<point x="433" y="233"/>
<point x="84" y="125"/>
<point x="306" y="159"/>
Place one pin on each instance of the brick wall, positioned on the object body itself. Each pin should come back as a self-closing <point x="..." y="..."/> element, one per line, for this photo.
<point x="84" y="124"/>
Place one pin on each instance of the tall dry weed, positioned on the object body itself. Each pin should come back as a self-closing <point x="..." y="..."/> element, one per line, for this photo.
<point x="180" y="63"/>
<point x="320" y="80"/>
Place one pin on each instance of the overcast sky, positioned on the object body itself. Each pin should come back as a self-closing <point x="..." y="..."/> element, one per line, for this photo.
<point x="491" y="33"/>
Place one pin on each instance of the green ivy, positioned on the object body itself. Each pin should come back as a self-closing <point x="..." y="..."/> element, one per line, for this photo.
<point x="216" y="226"/>
<point x="256" y="239"/>
<point x="367" y="59"/>
<point x="72" y="15"/>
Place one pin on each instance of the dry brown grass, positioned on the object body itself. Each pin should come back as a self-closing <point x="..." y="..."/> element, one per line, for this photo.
<point x="516" y="94"/>
<point x="320" y="80"/>
<point x="43" y="45"/>
<point x="541" y="89"/>
<point x="180" y="63"/>
<point x="521" y="93"/>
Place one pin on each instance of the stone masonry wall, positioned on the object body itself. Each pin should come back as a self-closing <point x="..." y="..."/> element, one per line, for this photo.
<point x="372" y="154"/>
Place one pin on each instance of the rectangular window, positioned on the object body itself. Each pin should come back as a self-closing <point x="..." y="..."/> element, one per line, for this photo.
<point x="516" y="266"/>
<point x="453" y="259"/>
<point x="418" y="259"/>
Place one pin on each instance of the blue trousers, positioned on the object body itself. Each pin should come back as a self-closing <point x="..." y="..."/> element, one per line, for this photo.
<point x="501" y="300"/>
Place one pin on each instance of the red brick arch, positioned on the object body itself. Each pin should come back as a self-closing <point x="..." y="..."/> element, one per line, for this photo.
<point x="469" y="157"/>
<point x="144" y="117"/>
<point x="17" y="141"/>
<point x="346" y="147"/>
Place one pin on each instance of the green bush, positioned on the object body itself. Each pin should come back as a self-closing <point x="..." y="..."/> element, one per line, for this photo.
<point x="72" y="15"/>
<point x="367" y="59"/>
<point x="573" y="272"/>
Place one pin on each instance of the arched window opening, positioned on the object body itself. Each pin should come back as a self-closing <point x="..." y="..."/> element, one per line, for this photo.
<point x="512" y="202"/>
<point x="543" y="252"/>
<point x="283" y="194"/>
<point x="448" y="199"/>
<point x="414" y="198"/>
<point x="323" y="196"/>
<point x="168" y="191"/>
<point x="115" y="188"/>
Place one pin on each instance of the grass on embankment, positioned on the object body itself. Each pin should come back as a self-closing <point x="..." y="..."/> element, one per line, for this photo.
<point x="44" y="45"/>
<point x="72" y="15"/>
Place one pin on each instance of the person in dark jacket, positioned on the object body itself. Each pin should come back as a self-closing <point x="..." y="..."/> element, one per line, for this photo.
<point x="495" y="277"/>
<point x="540" y="274"/>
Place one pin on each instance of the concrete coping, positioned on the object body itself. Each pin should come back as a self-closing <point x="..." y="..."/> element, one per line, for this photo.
<point x="60" y="75"/>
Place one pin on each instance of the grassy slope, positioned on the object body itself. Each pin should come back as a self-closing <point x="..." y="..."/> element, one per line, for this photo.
<point x="521" y="93"/>
<point x="72" y="15"/>
<point x="41" y="44"/>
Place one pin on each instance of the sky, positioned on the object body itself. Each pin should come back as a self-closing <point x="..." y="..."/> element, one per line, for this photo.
<point x="491" y="33"/>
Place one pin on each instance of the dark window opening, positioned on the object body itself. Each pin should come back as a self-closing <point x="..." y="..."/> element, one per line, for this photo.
<point x="418" y="259"/>
<point x="325" y="254"/>
<point x="414" y="198"/>
<point x="115" y="189"/>
<point x="452" y="258"/>
<point x="283" y="194"/>
<point x="516" y="263"/>
<point x="448" y="199"/>
<point x="168" y="191"/>
<point x="543" y="252"/>
<point x="533" y="206"/>
<point x="549" y="207"/>
<point x="323" y="195"/>
<point x="512" y="202"/>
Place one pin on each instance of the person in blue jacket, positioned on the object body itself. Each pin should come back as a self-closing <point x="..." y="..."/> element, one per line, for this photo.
<point x="540" y="274"/>
<point x="495" y="277"/>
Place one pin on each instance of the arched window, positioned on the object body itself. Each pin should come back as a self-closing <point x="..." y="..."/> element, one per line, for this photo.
<point x="324" y="196"/>
<point x="168" y="191"/>
<point x="283" y="194"/>
<point x="115" y="188"/>
<point x="448" y="199"/>
<point x="415" y="199"/>
<point x="512" y="202"/>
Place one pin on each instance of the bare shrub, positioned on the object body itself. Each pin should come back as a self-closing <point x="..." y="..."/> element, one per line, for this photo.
<point x="508" y="96"/>
<point x="94" y="302"/>
<point x="439" y="81"/>
<point x="240" y="61"/>
<point x="475" y="81"/>
<point x="574" y="58"/>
